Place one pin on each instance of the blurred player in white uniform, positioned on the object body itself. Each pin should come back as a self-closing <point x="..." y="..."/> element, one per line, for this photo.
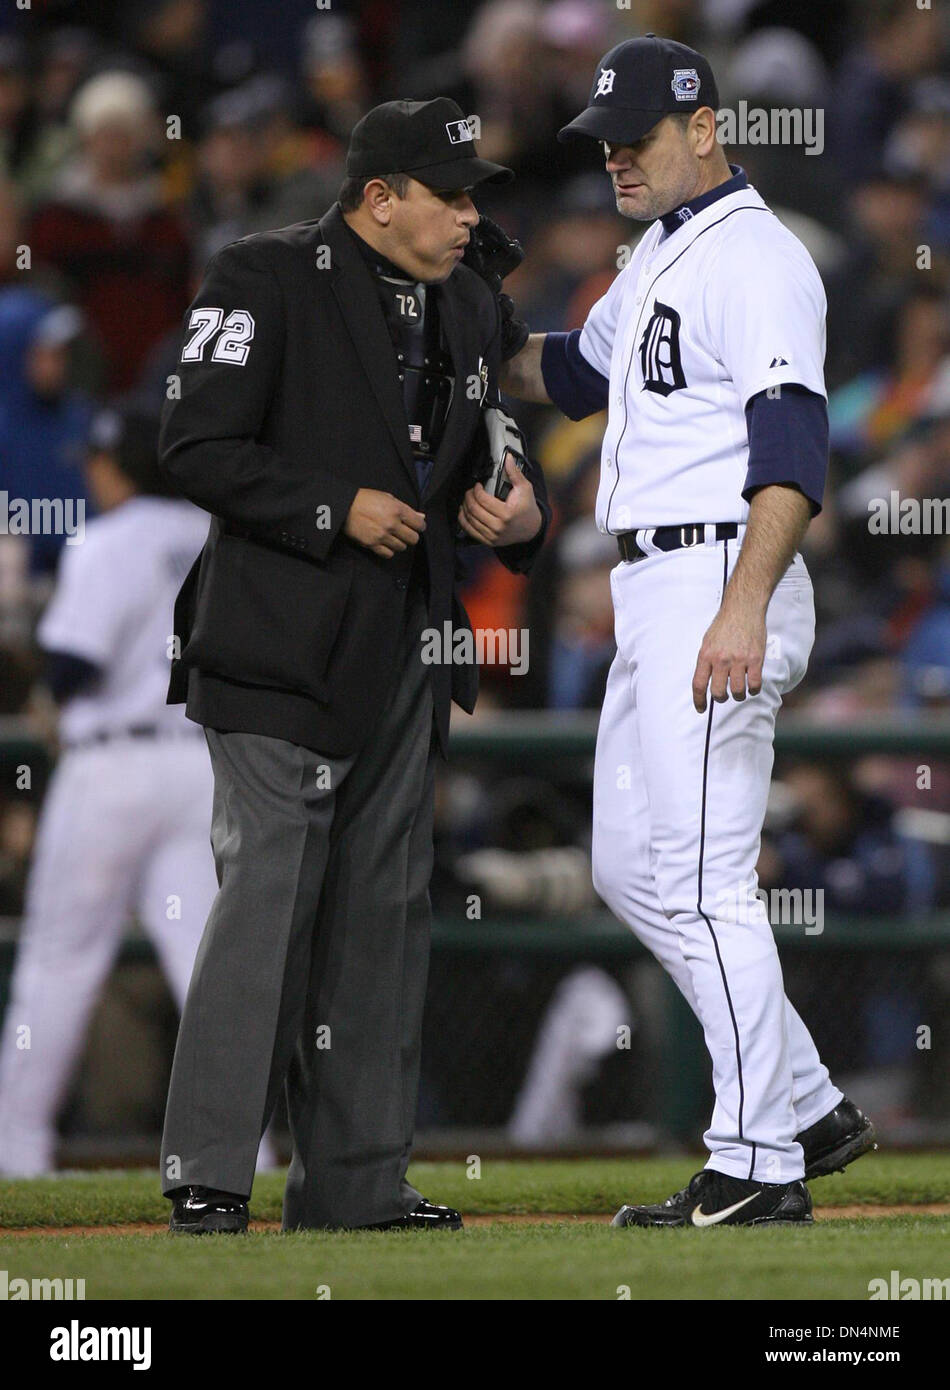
<point x="124" y="827"/>
<point x="707" y="352"/>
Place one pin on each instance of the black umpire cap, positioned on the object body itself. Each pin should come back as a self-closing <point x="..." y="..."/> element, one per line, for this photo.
<point x="638" y="83"/>
<point x="431" y="140"/>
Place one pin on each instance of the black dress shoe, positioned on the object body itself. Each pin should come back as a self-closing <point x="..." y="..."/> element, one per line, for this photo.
<point x="200" y="1211"/>
<point x="836" y="1140"/>
<point x="424" y="1217"/>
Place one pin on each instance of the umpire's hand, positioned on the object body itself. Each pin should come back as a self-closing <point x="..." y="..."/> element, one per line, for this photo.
<point x="511" y="522"/>
<point x="382" y="523"/>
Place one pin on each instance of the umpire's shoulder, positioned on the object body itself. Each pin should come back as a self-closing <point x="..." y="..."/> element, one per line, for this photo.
<point x="270" y="248"/>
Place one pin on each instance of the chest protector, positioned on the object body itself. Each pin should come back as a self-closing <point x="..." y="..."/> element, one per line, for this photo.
<point x="426" y="373"/>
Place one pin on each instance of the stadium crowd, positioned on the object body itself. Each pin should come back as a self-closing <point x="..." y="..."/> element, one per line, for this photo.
<point x="136" y="140"/>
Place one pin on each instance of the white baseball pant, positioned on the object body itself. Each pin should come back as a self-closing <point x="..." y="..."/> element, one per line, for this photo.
<point x="124" y="829"/>
<point x="679" y="802"/>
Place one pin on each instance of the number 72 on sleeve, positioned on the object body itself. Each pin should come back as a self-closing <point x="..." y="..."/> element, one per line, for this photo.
<point x="233" y="335"/>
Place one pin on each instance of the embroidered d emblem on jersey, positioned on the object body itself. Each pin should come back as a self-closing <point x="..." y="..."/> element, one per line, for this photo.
<point x="660" y="352"/>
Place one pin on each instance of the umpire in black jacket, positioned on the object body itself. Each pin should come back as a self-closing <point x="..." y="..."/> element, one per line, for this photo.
<point x="330" y="388"/>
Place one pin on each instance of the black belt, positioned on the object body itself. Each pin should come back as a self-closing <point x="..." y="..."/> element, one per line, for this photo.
<point x="133" y="731"/>
<point x="674" y="538"/>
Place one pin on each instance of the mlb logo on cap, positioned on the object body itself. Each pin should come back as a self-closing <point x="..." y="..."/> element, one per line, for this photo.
<point x="685" y="84"/>
<point x="460" y="131"/>
<point x="409" y="137"/>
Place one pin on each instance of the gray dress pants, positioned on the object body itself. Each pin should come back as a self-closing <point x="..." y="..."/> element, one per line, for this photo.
<point x="312" y="969"/>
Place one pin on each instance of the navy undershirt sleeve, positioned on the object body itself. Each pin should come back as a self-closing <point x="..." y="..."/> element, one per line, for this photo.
<point x="575" y="387"/>
<point x="788" y="442"/>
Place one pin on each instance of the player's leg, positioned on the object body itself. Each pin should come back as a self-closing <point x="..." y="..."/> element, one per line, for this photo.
<point x="707" y="779"/>
<point x="624" y="877"/>
<point x="620" y="852"/>
<point x="351" y="1091"/>
<point x="270" y="834"/>
<point x="178" y="882"/>
<point x="76" y="904"/>
<point x="624" y="869"/>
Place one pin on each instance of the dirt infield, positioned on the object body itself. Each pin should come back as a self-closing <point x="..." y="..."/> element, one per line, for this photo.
<point x="148" y="1228"/>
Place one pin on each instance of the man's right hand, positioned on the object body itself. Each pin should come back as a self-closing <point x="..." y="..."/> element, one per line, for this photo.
<point x="382" y="523"/>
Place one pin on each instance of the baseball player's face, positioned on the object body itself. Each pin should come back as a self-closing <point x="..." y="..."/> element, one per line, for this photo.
<point x="655" y="175"/>
<point x="429" y="229"/>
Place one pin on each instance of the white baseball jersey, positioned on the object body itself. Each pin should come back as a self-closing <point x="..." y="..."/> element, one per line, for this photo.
<point x="113" y="605"/>
<point x="697" y="324"/>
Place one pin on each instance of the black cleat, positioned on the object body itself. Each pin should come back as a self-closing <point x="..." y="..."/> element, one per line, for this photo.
<point x="833" y="1142"/>
<point x="201" y="1211"/>
<point x="424" y="1217"/>
<point x="714" y="1199"/>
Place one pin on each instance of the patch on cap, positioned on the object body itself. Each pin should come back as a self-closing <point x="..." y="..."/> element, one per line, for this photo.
<point x="459" y="131"/>
<point x="685" y="84"/>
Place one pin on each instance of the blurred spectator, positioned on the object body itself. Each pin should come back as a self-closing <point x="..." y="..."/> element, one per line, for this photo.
<point x="268" y="32"/>
<point x="252" y="175"/>
<point x="926" y="655"/>
<point x="920" y="145"/>
<point x="777" y="68"/>
<point x="10" y="232"/>
<point x="506" y="72"/>
<point x="582" y="640"/>
<point x="336" y="88"/>
<point x="123" y="255"/>
<point x="171" y="35"/>
<point x="573" y="255"/>
<point x="17" y="828"/>
<point x="15" y="114"/>
<point x="842" y="842"/>
<point x="43" y="422"/>
<point x="887" y="213"/>
<point x="64" y="63"/>
<point x="871" y="411"/>
<point x="900" y="42"/>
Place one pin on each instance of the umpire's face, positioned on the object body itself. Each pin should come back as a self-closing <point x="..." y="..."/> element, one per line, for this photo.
<point x="426" y="232"/>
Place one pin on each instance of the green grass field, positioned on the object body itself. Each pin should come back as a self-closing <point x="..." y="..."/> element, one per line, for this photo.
<point x="570" y="1257"/>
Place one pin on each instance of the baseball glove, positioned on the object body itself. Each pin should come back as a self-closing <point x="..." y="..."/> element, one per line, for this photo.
<point x="493" y="254"/>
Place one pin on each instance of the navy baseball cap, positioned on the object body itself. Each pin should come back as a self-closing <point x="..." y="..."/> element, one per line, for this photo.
<point x="431" y="140"/>
<point x="128" y="430"/>
<point x="638" y="83"/>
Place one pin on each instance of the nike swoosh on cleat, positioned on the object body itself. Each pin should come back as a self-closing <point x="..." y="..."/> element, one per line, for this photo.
<point x="699" y="1218"/>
